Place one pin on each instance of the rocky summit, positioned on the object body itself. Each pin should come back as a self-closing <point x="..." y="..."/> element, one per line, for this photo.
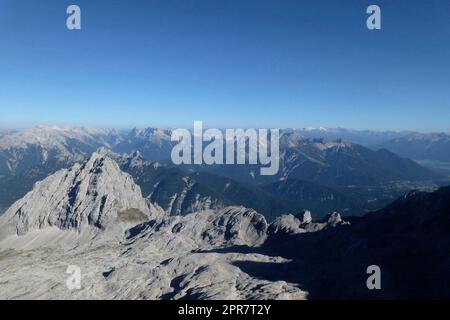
<point x="92" y="199"/>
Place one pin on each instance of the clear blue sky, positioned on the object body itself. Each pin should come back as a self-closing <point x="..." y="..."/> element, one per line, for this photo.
<point x="229" y="63"/>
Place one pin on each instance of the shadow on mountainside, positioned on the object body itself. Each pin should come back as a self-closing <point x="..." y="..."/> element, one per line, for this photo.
<point x="409" y="240"/>
<point x="330" y="267"/>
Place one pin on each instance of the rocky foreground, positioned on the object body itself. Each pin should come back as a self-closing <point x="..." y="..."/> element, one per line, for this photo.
<point x="92" y="216"/>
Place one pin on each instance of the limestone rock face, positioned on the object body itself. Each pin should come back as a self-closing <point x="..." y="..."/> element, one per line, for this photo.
<point x="95" y="194"/>
<point x="206" y="229"/>
<point x="239" y="225"/>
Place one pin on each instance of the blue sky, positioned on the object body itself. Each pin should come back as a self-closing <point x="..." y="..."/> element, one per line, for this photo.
<point x="253" y="63"/>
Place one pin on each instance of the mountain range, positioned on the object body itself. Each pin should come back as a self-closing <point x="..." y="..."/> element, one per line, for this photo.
<point x="430" y="149"/>
<point x="367" y="138"/>
<point x="339" y="174"/>
<point x="180" y="191"/>
<point x="421" y="146"/>
<point x="93" y="216"/>
<point x="28" y="156"/>
<point x="331" y="163"/>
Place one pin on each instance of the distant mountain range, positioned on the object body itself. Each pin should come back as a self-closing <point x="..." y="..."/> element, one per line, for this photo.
<point x="331" y="163"/>
<point x="408" y="144"/>
<point x="367" y="138"/>
<point x="28" y="156"/>
<point x="154" y="144"/>
<point x="421" y="146"/>
<point x="337" y="174"/>
<point x="180" y="192"/>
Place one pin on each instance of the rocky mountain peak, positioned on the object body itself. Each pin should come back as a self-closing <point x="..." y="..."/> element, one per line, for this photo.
<point x="94" y="195"/>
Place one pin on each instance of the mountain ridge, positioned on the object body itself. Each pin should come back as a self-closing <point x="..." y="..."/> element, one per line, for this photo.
<point x="94" y="195"/>
<point x="35" y="153"/>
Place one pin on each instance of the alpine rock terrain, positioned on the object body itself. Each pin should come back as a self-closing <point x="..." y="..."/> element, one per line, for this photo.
<point x="126" y="223"/>
<point x="94" y="216"/>
<point x="87" y="198"/>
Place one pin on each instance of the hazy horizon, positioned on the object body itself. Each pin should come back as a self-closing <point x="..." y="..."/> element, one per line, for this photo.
<point x="129" y="128"/>
<point x="229" y="64"/>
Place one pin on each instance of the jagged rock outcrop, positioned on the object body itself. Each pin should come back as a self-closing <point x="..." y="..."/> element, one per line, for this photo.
<point x="94" y="195"/>
<point x="290" y="224"/>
